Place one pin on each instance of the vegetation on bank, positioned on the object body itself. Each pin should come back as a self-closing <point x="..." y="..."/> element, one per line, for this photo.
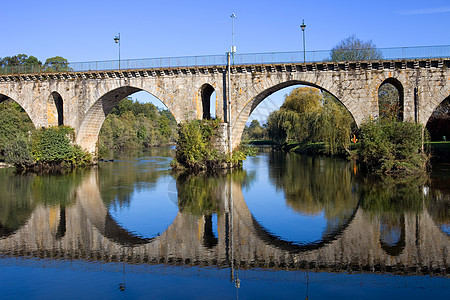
<point x="309" y="116"/>
<point x="132" y="125"/>
<point x="197" y="148"/>
<point x="391" y="146"/>
<point x="129" y="125"/>
<point x="47" y="149"/>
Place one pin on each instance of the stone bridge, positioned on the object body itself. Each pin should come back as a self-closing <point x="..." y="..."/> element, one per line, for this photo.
<point x="83" y="99"/>
<point x="85" y="230"/>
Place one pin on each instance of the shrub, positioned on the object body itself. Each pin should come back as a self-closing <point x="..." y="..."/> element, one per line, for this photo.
<point x="195" y="150"/>
<point x="390" y="146"/>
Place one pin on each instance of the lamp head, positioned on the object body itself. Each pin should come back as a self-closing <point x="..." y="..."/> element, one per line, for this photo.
<point x="303" y="26"/>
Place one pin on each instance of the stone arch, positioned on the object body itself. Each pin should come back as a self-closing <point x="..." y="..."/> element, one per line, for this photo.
<point x="89" y="129"/>
<point x="239" y="121"/>
<point x="55" y="109"/>
<point x="206" y="91"/>
<point x="437" y="124"/>
<point x="401" y="96"/>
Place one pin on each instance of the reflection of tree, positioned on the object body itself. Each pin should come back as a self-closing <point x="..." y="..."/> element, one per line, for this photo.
<point x="202" y="194"/>
<point x="393" y="196"/>
<point x="438" y="205"/>
<point x="21" y="193"/>
<point x="315" y="184"/>
<point x="205" y="194"/>
<point x="118" y="181"/>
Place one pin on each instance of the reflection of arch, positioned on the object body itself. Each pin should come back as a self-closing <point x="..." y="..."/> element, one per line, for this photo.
<point x="89" y="198"/>
<point x="398" y="85"/>
<point x="87" y="134"/>
<point x="209" y="239"/>
<point x="206" y="92"/>
<point x="55" y="114"/>
<point x="395" y="248"/>
<point x="263" y="234"/>
<point x="271" y="239"/>
<point x="241" y="119"/>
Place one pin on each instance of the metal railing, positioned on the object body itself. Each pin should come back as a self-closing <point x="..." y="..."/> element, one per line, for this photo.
<point x="426" y="52"/>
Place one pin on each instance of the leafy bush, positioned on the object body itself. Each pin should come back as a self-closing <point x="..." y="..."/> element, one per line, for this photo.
<point x="390" y="146"/>
<point x="196" y="151"/>
<point x="18" y="152"/>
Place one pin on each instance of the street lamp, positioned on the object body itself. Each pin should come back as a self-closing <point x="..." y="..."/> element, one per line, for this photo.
<point x="117" y="41"/>
<point x="233" y="47"/>
<point x="303" y="26"/>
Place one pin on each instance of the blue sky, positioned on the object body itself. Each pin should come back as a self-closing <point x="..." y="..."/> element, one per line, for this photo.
<point x="84" y="30"/>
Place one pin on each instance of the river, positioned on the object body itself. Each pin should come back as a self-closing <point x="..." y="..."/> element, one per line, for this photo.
<point x="285" y="226"/>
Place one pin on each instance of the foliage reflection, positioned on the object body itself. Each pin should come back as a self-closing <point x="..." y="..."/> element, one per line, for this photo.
<point x="315" y="184"/>
<point x="22" y="193"/>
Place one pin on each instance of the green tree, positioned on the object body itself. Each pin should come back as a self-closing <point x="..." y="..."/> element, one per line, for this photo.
<point x="56" y="64"/>
<point x="254" y="131"/>
<point x="307" y="116"/>
<point x="389" y="146"/>
<point x="15" y="125"/>
<point x="20" y="63"/>
<point x="354" y="49"/>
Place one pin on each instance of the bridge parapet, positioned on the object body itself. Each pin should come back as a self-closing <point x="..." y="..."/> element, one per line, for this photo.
<point x="244" y="68"/>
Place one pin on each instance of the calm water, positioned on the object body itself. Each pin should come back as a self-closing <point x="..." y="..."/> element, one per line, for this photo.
<point x="285" y="226"/>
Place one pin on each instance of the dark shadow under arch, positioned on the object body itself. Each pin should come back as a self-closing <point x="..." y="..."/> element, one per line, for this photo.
<point x="3" y="98"/>
<point x="438" y="124"/>
<point x="398" y="85"/>
<point x="206" y="91"/>
<point x="56" y="100"/>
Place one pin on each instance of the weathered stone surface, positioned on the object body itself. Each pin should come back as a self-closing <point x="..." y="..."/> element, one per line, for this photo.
<point x="88" y="97"/>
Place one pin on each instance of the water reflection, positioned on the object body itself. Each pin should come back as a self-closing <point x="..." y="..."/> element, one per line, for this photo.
<point x="21" y="194"/>
<point x="319" y="198"/>
<point x="438" y="204"/>
<point x="123" y="212"/>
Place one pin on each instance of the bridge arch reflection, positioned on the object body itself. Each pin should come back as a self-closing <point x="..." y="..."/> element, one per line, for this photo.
<point x="89" y="228"/>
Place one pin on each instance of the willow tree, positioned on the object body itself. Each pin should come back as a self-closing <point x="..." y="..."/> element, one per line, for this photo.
<point x="309" y="115"/>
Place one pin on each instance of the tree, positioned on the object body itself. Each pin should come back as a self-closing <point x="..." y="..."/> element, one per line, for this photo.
<point x="389" y="102"/>
<point x="57" y="64"/>
<point x="354" y="49"/>
<point x="20" y="63"/>
<point x="254" y="131"/>
<point x="308" y="116"/>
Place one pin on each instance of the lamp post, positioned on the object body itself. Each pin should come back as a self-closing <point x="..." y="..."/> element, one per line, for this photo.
<point x="233" y="47"/>
<point x="117" y="41"/>
<point x="303" y="26"/>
